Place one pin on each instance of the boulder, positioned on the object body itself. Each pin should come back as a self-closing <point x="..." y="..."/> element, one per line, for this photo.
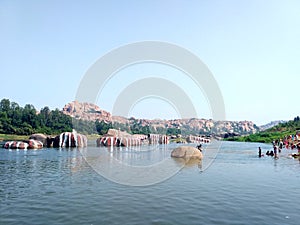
<point x="15" y="145"/>
<point x="39" y="137"/>
<point x="35" y="144"/>
<point x="68" y="139"/>
<point x="117" y="133"/>
<point x="187" y="152"/>
<point x="30" y="144"/>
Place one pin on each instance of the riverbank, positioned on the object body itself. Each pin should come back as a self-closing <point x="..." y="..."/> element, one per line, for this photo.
<point x="263" y="137"/>
<point x="280" y="131"/>
<point x="14" y="137"/>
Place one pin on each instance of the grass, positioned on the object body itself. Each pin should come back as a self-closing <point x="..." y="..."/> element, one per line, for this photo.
<point x="263" y="137"/>
<point x="13" y="137"/>
<point x="93" y="136"/>
<point x="178" y="140"/>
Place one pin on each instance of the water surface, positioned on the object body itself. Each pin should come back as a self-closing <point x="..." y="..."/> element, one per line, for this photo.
<point x="57" y="186"/>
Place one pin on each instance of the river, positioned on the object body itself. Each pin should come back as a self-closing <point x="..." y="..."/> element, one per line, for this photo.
<point x="63" y="186"/>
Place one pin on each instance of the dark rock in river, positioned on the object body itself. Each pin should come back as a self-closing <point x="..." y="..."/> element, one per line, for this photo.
<point x="39" y="137"/>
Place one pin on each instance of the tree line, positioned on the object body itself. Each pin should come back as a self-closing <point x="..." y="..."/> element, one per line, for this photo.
<point x="26" y="120"/>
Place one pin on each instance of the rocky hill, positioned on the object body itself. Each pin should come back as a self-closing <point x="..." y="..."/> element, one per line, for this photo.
<point x="271" y="124"/>
<point x="86" y="111"/>
<point x="91" y="112"/>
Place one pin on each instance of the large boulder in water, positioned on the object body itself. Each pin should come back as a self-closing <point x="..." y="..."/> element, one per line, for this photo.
<point x="187" y="152"/>
<point x="68" y="139"/>
<point x="30" y="144"/>
<point x="39" y="137"/>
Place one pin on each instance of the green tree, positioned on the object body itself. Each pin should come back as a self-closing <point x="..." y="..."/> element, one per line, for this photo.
<point x="102" y="127"/>
<point x="5" y="105"/>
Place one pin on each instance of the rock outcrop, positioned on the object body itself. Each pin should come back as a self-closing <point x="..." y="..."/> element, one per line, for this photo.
<point x="121" y="139"/>
<point x="86" y="111"/>
<point x="39" y="137"/>
<point x="187" y="152"/>
<point x="30" y="144"/>
<point x="67" y="139"/>
<point x="91" y="112"/>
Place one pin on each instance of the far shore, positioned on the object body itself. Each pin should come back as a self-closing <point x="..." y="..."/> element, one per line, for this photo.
<point x="15" y="137"/>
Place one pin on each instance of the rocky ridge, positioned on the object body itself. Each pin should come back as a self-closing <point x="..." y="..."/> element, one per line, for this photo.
<point x="271" y="124"/>
<point x="86" y="111"/>
<point x="92" y="112"/>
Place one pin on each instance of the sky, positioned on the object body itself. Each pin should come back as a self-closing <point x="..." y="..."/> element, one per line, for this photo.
<point x="251" y="47"/>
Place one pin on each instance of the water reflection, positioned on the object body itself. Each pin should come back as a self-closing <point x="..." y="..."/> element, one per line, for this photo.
<point x="189" y="162"/>
<point x="135" y="166"/>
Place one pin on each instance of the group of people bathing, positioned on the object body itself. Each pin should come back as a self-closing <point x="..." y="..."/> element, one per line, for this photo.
<point x="291" y="141"/>
<point x="273" y="153"/>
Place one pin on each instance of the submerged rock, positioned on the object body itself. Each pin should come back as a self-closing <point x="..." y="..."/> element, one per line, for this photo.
<point x="187" y="152"/>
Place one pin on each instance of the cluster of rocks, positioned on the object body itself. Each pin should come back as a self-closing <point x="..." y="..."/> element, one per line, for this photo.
<point x="123" y="139"/>
<point x="38" y="141"/>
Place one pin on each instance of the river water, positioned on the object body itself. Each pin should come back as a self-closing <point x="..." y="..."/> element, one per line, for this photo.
<point x="61" y="186"/>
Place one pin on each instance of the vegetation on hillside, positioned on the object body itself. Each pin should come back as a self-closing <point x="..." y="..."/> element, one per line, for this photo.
<point x="26" y="120"/>
<point x="274" y="133"/>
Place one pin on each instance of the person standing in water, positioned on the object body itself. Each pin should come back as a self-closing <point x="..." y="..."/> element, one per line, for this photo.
<point x="259" y="152"/>
<point x="275" y="151"/>
<point x="280" y="145"/>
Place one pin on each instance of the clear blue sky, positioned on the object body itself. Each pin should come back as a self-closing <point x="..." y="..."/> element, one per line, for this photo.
<point x="251" y="46"/>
